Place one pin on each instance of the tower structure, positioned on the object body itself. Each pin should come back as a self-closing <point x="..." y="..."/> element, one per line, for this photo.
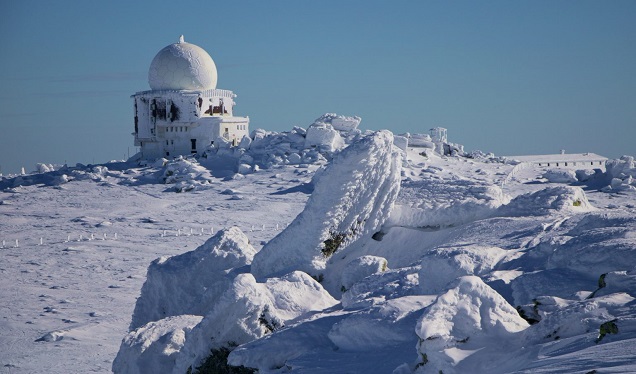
<point x="183" y="112"/>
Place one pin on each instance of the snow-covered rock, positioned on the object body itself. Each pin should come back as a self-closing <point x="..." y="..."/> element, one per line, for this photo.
<point x="249" y="310"/>
<point x="191" y="283"/>
<point x="460" y="322"/>
<point x="352" y="198"/>
<point x="154" y="347"/>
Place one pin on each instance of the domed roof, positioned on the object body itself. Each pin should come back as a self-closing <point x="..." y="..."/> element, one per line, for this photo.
<point x="182" y="66"/>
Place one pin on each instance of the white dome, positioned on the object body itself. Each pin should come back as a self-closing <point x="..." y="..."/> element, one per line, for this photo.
<point x="182" y="66"/>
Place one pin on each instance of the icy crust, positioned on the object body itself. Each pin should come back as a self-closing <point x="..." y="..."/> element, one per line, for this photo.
<point x="461" y="322"/>
<point x="249" y="310"/>
<point x="153" y="348"/>
<point x="352" y="198"/>
<point x="192" y="282"/>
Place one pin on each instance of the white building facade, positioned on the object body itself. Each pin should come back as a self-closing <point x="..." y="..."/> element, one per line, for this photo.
<point x="564" y="160"/>
<point x="184" y="112"/>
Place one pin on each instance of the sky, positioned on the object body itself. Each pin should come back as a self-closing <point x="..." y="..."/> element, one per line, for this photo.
<point x="509" y="77"/>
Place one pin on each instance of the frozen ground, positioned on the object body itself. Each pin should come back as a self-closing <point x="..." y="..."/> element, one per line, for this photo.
<point x="471" y="246"/>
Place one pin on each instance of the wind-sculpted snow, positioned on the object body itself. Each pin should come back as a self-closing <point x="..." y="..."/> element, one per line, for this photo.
<point x="461" y="322"/>
<point x="352" y="198"/>
<point x="191" y="283"/>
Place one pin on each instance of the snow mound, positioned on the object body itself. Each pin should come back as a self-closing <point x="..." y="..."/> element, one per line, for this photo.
<point x="560" y="176"/>
<point x="562" y="199"/>
<point x="249" y="310"/>
<point x="461" y="320"/>
<point x="352" y="197"/>
<point x="153" y="347"/>
<point x="443" y="265"/>
<point x="192" y="282"/>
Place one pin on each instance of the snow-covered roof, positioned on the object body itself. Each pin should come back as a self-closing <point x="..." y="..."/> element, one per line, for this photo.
<point x="182" y="66"/>
<point x="565" y="157"/>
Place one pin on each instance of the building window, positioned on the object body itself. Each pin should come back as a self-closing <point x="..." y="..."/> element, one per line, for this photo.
<point x="167" y="143"/>
<point x="172" y="142"/>
<point x="566" y="164"/>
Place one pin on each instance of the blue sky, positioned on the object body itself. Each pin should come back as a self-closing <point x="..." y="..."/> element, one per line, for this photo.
<point x="511" y="77"/>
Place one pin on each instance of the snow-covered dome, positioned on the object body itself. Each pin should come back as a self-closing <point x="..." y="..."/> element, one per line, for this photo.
<point x="182" y="66"/>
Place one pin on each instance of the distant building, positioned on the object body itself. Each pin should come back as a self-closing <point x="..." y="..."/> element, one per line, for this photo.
<point x="564" y="160"/>
<point x="184" y="112"/>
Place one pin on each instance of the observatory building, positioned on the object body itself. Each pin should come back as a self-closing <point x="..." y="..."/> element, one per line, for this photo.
<point x="184" y="112"/>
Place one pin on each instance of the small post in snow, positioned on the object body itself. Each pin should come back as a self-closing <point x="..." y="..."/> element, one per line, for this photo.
<point x="41" y="241"/>
<point x="16" y="243"/>
<point x="115" y="236"/>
